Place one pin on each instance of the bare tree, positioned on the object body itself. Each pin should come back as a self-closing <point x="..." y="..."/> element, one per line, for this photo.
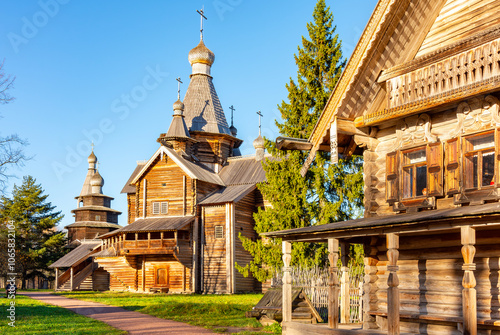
<point x="6" y="83"/>
<point x="11" y="151"/>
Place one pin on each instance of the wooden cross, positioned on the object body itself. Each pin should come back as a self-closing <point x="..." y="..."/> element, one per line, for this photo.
<point x="179" y="88"/>
<point x="202" y="16"/>
<point x="232" y="110"/>
<point x="260" y="116"/>
<point x="92" y="145"/>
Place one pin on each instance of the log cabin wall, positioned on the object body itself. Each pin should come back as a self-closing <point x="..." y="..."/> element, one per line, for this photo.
<point x="212" y="148"/>
<point x="123" y="272"/>
<point x="80" y="233"/>
<point x="100" y="280"/>
<point x="130" y="207"/>
<point x="164" y="183"/>
<point x="177" y="277"/>
<point x="96" y="215"/>
<point x="214" y="250"/>
<point x="244" y="224"/>
<point x="203" y="189"/>
<point x="430" y="281"/>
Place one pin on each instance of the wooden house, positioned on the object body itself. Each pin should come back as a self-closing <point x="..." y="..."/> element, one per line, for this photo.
<point x="93" y="217"/>
<point x="419" y="98"/>
<point x="189" y="202"/>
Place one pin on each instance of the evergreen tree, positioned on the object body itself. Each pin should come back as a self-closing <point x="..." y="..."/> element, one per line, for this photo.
<point x="328" y="192"/>
<point x="38" y="243"/>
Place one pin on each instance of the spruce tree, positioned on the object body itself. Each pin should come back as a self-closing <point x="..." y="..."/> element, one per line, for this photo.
<point x="327" y="193"/>
<point x="38" y="243"/>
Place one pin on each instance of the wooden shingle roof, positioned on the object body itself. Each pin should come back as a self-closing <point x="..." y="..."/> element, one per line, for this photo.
<point x="130" y="188"/>
<point x="232" y="193"/>
<point x="154" y="224"/>
<point x="77" y="255"/>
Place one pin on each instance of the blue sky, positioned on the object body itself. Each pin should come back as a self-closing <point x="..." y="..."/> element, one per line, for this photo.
<point x="104" y="71"/>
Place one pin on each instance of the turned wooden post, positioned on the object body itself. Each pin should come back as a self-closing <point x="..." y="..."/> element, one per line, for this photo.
<point x="469" y="304"/>
<point x="333" y="284"/>
<point x="57" y="279"/>
<point x="71" y="279"/>
<point x="393" y="283"/>
<point x="287" y="282"/>
<point x="345" y="298"/>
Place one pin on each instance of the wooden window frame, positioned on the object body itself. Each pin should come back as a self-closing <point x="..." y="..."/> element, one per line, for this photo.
<point x="413" y="166"/>
<point x="155" y="207"/>
<point x="164" y="207"/>
<point x="467" y="152"/>
<point x="219" y="232"/>
<point x="98" y="218"/>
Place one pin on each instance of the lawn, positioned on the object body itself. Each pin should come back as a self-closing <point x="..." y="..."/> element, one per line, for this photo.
<point x="34" y="317"/>
<point x="221" y="313"/>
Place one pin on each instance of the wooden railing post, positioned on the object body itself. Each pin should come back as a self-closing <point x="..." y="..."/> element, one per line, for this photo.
<point x="287" y="282"/>
<point x="333" y="284"/>
<point x="469" y="304"/>
<point x="393" y="283"/>
<point x="345" y="299"/>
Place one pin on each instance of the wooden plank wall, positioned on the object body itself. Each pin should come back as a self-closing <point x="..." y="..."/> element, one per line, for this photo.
<point x="212" y="148"/>
<point x="214" y="254"/>
<point x="179" y="276"/>
<point x="244" y="224"/>
<point x="123" y="272"/>
<point x="165" y="172"/>
<point x="430" y="279"/>
<point x="100" y="280"/>
<point x="460" y="19"/>
<point x="131" y="207"/>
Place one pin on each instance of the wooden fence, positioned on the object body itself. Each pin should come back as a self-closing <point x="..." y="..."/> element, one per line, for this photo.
<point x="314" y="282"/>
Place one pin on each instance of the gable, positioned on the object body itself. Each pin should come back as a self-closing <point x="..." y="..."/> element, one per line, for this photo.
<point x="459" y="20"/>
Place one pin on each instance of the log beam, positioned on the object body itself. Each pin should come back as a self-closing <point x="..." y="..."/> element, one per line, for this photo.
<point x="393" y="283"/>
<point x="287" y="281"/>
<point x="469" y="302"/>
<point x="333" y="284"/>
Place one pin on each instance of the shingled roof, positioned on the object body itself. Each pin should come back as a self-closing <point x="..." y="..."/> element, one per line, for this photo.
<point x="240" y="171"/>
<point x="130" y="188"/>
<point x="202" y="108"/>
<point x="154" y="224"/>
<point x="228" y="194"/>
<point x="77" y="255"/>
<point x="93" y="224"/>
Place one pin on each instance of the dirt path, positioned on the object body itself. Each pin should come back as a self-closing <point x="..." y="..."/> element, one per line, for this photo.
<point x="132" y="322"/>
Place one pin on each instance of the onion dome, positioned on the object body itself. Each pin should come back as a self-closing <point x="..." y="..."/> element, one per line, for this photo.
<point x="258" y="143"/>
<point x="233" y="130"/>
<point x="201" y="54"/>
<point x="178" y="107"/>
<point x="96" y="180"/>
<point x="92" y="158"/>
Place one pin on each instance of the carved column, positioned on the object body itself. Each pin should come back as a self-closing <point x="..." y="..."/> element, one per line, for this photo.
<point x="333" y="284"/>
<point x="71" y="279"/>
<point x="469" y="305"/>
<point x="345" y="299"/>
<point x="393" y="283"/>
<point x="287" y="282"/>
<point x="57" y="279"/>
<point x="334" y="151"/>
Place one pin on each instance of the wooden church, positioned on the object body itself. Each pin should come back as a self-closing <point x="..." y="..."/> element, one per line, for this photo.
<point x="189" y="202"/>
<point x="420" y="99"/>
<point x="93" y="217"/>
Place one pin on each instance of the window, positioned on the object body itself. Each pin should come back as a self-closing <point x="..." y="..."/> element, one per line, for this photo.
<point x="219" y="232"/>
<point x="414" y="173"/>
<point x="160" y="207"/>
<point x="479" y="161"/>
<point x="98" y="218"/>
<point x="164" y="207"/>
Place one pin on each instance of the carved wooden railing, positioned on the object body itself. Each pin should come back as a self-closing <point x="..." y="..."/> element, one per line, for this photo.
<point x="466" y="68"/>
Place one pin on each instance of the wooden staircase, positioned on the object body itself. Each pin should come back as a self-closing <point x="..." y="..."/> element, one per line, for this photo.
<point x="81" y="281"/>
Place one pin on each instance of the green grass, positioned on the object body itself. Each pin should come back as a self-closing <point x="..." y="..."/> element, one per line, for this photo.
<point x="220" y="313"/>
<point x="34" y="317"/>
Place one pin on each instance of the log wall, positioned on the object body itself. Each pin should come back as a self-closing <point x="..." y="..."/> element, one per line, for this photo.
<point x="430" y="281"/>
<point x="130" y="207"/>
<point x="100" y="280"/>
<point x="165" y="183"/>
<point x="214" y="250"/>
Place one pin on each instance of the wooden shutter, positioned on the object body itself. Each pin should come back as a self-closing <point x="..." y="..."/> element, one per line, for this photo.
<point x="434" y="169"/>
<point x="391" y="184"/>
<point x="452" y="166"/>
<point x="156" y="208"/>
<point x="164" y="207"/>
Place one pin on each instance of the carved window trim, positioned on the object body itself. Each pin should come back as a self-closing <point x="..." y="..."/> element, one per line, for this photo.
<point x="479" y="154"/>
<point x="409" y="167"/>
